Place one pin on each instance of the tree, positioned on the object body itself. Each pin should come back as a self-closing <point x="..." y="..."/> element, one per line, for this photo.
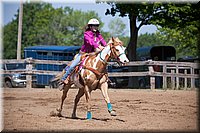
<point x="44" y="25"/>
<point x="151" y="13"/>
<point x="184" y="40"/>
<point x="116" y="27"/>
<point x="184" y="32"/>
<point x="30" y="33"/>
<point x="142" y="13"/>
<point x="136" y="12"/>
<point x="76" y="26"/>
<point x="149" y="40"/>
<point x="10" y="40"/>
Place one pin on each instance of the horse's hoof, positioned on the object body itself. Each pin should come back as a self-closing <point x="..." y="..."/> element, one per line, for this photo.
<point x="59" y="114"/>
<point x="112" y="113"/>
<point x="74" y="116"/>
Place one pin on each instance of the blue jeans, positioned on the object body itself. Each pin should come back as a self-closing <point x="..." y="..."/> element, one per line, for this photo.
<point x="70" y="68"/>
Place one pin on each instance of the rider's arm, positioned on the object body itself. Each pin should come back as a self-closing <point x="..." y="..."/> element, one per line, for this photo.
<point x="103" y="42"/>
<point x="100" y="47"/>
<point x="88" y="38"/>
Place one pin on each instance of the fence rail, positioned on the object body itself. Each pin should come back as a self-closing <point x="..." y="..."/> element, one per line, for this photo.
<point x="173" y="71"/>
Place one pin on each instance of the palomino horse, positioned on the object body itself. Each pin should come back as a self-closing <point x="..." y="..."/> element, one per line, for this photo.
<point x="93" y="75"/>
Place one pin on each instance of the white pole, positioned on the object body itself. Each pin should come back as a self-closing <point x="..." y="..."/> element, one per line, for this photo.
<point x="20" y="30"/>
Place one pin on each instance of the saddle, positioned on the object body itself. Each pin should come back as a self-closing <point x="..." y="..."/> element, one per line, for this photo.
<point x="81" y="66"/>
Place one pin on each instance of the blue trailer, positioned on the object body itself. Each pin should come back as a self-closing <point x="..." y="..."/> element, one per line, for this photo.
<point x="44" y="52"/>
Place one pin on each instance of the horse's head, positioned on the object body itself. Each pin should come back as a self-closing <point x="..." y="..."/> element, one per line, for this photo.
<point x="118" y="51"/>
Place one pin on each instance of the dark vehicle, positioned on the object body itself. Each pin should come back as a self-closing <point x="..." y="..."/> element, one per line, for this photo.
<point x="13" y="80"/>
<point x="189" y="59"/>
<point x="158" y="53"/>
<point x="59" y="53"/>
<point x="162" y="53"/>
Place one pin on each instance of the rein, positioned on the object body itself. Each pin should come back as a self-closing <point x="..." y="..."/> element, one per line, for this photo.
<point x="103" y="59"/>
<point x="115" y="56"/>
<point x="100" y="75"/>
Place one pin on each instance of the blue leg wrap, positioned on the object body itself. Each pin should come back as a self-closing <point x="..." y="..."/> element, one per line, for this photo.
<point x="89" y="115"/>
<point x="109" y="107"/>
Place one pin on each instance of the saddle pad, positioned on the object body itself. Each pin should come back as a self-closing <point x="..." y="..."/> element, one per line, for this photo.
<point x="80" y="65"/>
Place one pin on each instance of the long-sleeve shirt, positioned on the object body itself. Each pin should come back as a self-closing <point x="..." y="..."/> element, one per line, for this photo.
<point x="92" y="41"/>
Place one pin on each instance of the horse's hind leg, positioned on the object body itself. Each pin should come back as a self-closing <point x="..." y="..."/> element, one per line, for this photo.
<point x="88" y="98"/>
<point x="104" y="91"/>
<point x="78" y="96"/>
<point x="64" y="95"/>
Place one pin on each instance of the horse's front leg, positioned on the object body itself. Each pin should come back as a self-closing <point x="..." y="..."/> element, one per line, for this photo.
<point x="88" y="96"/>
<point x="78" y="96"/>
<point x="104" y="91"/>
<point x="64" y="95"/>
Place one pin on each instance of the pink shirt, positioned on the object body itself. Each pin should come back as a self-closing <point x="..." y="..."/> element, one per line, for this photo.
<point x="90" y="43"/>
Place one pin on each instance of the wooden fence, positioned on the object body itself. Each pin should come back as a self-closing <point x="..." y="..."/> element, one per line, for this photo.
<point x="172" y="73"/>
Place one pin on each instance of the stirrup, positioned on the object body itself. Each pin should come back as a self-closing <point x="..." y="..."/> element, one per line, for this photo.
<point x="60" y="87"/>
<point x="60" y="82"/>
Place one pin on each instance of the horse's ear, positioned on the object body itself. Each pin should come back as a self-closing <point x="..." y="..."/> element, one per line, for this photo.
<point x="113" y="39"/>
<point x="110" y="41"/>
<point x="119" y="41"/>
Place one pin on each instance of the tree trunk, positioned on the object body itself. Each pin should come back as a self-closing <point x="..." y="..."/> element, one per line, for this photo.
<point x="131" y="49"/>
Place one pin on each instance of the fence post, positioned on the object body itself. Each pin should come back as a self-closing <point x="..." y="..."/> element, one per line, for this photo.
<point x="177" y="78"/>
<point x="192" y="79"/>
<point x="164" y="77"/>
<point x="152" y="78"/>
<point x="29" y="73"/>
<point x="172" y="79"/>
<point x="185" y="86"/>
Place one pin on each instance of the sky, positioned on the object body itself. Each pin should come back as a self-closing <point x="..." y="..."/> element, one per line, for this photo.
<point x="10" y="7"/>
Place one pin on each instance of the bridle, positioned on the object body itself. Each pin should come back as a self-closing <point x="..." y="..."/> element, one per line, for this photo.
<point x="113" y="54"/>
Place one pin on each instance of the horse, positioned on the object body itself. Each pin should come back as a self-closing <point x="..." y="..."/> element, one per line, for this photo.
<point x="93" y="75"/>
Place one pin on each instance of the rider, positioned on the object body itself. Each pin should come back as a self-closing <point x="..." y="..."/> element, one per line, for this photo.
<point x="93" y="41"/>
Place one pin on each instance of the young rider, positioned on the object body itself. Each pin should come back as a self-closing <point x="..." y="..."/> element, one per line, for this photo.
<point x="93" y="41"/>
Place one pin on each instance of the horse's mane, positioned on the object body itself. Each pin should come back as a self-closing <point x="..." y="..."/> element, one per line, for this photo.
<point x="112" y="40"/>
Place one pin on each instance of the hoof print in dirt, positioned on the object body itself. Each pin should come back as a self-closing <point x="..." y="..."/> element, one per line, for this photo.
<point x="54" y="114"/>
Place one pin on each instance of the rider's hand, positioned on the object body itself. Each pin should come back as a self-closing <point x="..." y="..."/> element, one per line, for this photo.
<point x="101" y="47"/>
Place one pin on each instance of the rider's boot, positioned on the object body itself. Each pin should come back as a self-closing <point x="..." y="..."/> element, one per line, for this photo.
<point x="62" y="83"/>
<point x="66" y="81"/>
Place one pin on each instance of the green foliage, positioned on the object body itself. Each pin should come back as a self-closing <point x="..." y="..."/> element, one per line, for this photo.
<point x="125" y="40"/>
<point x="149" y="40"/>
<point x="180" y="24"/>
<point x="116" y="27"/>
<point x="10" y="40"/>
<point x="183" y="40"/>
<point x="76" y="26"/>
<point x="137" y="12"/>
<point x="180" y="28"/>
<point x="44" y="25"/>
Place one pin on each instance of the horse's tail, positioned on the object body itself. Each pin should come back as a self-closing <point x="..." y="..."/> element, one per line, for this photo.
<point x="58" y="76"/>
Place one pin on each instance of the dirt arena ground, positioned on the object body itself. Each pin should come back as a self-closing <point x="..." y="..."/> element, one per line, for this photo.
<point x="137" y="110"/>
